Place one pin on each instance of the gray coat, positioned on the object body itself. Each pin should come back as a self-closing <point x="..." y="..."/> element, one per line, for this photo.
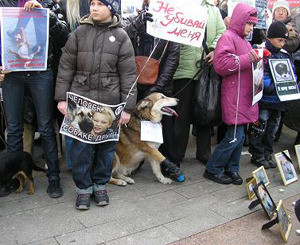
<point x="98" y="63"/>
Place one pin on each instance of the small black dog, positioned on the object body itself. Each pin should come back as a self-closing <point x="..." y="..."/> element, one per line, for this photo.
<point x="17" y="165"/>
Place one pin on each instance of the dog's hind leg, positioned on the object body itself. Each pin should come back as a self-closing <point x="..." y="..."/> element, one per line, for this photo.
<point x="157" y="172"/>
<point x="30" y="180"/>
<point x="31" y="186"/>
<point x="21" y="179"/>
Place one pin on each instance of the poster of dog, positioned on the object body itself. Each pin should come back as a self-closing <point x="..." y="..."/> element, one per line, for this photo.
<point x="258" y="79"/>
<point x="89" y="121"/>
<point x="24" y="39"/>
<point x="284" y="79"/>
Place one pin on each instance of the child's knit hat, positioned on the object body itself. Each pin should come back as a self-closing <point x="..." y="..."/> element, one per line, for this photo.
<point x="277" y="30"/>
<point x="113" y="5"/>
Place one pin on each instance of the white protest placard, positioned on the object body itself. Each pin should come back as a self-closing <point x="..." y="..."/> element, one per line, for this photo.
<point x="232" y="3"/>
<point x="151" y="131"/>
<point x="258" y="78"/>
<point x="177" y="21"/>
<point x="284" y="79"/>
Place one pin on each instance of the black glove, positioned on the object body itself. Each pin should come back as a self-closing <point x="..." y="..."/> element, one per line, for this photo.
<point x="258" y="128"/>
<point x="144" y="16"/>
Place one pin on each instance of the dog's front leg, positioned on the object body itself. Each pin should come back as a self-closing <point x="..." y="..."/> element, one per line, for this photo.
<point x="157" y="172"/>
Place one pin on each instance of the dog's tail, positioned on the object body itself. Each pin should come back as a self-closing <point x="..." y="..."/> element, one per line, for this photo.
<point x="39" y="169"/>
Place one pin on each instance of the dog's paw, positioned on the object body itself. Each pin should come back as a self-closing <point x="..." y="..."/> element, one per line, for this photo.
<point x="121" y="182"/>
<point x="165" y="181"/>
<point x="129" y="180"/>
<point x="19" y="190"/>
<point x="31" y="192"/>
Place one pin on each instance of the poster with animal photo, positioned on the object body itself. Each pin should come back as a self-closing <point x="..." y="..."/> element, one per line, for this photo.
<point x="258" y="79"/>
<point x="261" y="7"/>
<point x="286" y="167"/>
<point x="284" y="79"/>
<point x="130" y="7"/>
<point x="24" y="39"/>
<point x="178" y="22"/>
<point x="90" y="121"/>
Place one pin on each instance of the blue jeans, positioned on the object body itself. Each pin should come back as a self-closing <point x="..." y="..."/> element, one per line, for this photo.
<point x="226" y="156"/>
<point x="40" y="86"/>
<point x="262" y="146"/>
<point x="92" y="164"/>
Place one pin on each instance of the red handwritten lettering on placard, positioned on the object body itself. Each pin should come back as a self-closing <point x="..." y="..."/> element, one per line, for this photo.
<point x="184" y="33"/>
<point x="164" y="8"/>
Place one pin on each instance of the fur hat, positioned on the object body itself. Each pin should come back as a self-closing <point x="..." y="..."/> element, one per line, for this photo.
<point x="282" y="4"/>
<point x="278" y="30"/>
<point x="113" y="5"/>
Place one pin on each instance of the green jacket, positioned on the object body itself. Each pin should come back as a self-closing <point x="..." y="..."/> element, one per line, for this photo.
<point x="189" y="55"/>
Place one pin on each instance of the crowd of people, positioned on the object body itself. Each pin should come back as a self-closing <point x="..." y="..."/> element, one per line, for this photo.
<point x="92" y="53"/>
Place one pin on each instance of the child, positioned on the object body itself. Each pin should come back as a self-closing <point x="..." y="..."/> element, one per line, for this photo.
<point x="233" y="61"/>
<point x="102" y="121"/>
<point x="98" y="63"/>
<point x="270" y="107"/>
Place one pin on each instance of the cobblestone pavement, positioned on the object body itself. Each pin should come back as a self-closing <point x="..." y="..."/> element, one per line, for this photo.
<point x="148" y="212"/>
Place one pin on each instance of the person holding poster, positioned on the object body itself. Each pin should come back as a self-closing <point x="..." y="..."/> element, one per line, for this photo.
<point x="270" y="106"/>
<point x="98" y="63"/>
<point x="233" y="61"/>
<point x="40" y="85"/>
<point x="189" y="56"/>
<point x="168" y="54"/>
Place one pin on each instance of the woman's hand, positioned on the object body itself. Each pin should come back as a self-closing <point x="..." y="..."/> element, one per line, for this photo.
<point x="32" y="4"/>
<point x="62" y="107"/>
<point x="125" y="117"/>
<point x="2" y="74"/>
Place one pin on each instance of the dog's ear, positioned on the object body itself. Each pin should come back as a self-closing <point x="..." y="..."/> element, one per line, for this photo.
<point x="72" y="105"/>
<point x="145" y="103"/>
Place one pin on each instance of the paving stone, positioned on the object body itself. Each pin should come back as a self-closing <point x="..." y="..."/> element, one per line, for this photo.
<point x="38" y="224"/>
<point x="195" y="223"/>
<point x="50" y="241"/>
<point x="94" y="235"/>
<point x="232" y="193"/>
<point x="199" y="189"/>
<point x="235" y="209"/>
<point x="155" y="236"/>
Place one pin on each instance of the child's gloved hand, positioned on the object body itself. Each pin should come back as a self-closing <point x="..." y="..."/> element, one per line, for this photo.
<point x="254" y="55"/>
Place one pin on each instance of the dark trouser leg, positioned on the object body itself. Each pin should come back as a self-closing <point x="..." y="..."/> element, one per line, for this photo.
<point x="203" y="143"/>
<point x="103" y="163"/>
<point x="42" y="91"/>
<point x="272" y="127"/>
<point x="227" y="154"/>
<point x="168" y="148"/>
<point x="82" y="156"/>
<point x="184" y="110"/>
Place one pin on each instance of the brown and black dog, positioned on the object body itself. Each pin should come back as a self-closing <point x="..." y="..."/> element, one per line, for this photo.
<point x="17" y="165"/>
<point x="131" y="151"/>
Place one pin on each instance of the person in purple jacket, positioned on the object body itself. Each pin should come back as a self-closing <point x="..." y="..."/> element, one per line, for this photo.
<point x="233" y="61"/>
